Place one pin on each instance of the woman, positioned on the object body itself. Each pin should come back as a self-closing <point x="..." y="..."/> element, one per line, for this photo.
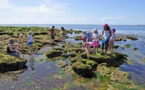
<point x="106" y="34"/>
<point x="63" y="34"/>
<point x="11" y="49"/>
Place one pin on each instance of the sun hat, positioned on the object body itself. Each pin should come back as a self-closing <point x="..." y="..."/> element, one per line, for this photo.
<point x="105" y="25"/>
<point x="113" y="30"/>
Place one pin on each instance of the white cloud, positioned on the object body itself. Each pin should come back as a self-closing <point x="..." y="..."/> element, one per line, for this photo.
<point x="10" y="13"/>
<point x="104" y="19"/>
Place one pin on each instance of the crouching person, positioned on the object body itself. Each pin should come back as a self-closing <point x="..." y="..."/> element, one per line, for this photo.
<point x="11" y="49"/>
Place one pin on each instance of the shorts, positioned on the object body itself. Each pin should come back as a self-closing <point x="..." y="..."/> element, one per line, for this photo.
<point x="29" y="43"/>
<point x="52" y="37"/>
<point x="14" y="54"/>
<point x="96" y="43"/>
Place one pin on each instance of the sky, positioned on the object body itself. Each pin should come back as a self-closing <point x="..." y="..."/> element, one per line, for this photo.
<point x="115" y="12"/>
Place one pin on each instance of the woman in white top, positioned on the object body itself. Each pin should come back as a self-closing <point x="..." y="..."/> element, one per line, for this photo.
<point x="106" y="34"/>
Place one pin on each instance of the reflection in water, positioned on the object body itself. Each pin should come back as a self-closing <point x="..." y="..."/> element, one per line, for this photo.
<point x="31" y="62"/>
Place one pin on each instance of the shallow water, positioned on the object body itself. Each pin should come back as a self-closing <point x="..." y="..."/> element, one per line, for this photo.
<point x="43" y="74"/>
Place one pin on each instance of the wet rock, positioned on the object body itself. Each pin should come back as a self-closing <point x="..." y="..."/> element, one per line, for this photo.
<point x="115" y="59"/>
<point x="120" y="76"/>
<point x="115" y="46"/>
<point x="132" y="37"/>
<point x="118" y="39"/>
<point x="11" y="63"/>
<point x="77" y="38"/>
<point x="72" y="54"/>
<point x="65" y="55"/>
<point x="62" y="64"/>
<point x="54" y="53"/>
<point x="134" y="48"/>
<point x="127" y="45"/>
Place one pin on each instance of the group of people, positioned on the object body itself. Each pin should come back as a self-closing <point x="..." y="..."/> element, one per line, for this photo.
<point x="92" y="40"/>
<point x="12" y="50"/>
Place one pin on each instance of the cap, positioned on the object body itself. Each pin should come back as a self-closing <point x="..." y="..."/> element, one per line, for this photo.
<point x="105" y="25"/>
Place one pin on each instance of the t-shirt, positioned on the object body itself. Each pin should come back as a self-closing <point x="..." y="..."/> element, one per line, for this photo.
<point x="96" y="37"/>
<point x="30" y="39"/>
<point x="112" y="38"/>
<point x="52" y="31"/>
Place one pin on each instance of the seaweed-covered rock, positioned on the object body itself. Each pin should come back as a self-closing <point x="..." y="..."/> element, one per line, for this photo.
<point x="72" y="54"/>
<point x="115" y="59"/>
<point x="83" y="67"/>
<point x="54" y="53"/>
<point x="62" y="64"/>
<point x="77" y="37"/>
<point x="132" y="37"/>
<point x="115" y="46"/>
<point x="127" y="45"/>
<point x="118" y="39"/>
<point x="120" y="76"/>
<point x="11" y="63"/>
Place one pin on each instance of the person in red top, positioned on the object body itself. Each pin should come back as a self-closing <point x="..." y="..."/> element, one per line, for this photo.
<point x="52" y="34"/>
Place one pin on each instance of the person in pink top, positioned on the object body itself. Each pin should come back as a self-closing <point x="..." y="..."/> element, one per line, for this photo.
<point x="112" y="40"/>
<point x="95" y="40"/>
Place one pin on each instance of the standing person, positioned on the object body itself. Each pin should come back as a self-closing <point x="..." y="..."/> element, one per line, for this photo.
<point x="52" y="34"/>
<point x="111" y="41"/>
<point x="95" y="40"/>
<point x="11" y="49"/>
<point x="83" y="38"/>
<point x="63" y="35"/>
<point x="21" y="41"/>
<point x="106" y="34"/>
<point x="30" y="40"/>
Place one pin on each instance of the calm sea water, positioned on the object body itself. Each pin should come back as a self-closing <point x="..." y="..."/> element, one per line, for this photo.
<point x="123" y="29"/>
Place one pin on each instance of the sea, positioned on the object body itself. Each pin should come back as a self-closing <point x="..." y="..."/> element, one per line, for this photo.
<point x="122" y="29"/>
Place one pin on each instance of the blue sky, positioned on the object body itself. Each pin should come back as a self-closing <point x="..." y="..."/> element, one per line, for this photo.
<point x="116" y="12"/>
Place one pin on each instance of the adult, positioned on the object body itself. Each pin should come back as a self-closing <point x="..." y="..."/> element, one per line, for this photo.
<point x="52" y="34"/>
<point x="63" y="34"/>
<point x="106" y="34"/>
<point x="11" y="49"/>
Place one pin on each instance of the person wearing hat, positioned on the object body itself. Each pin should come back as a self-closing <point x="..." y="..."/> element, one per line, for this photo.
<point x="111" y="41"/>
<point x="30" y="40"/>
<point x="106" y="34"/>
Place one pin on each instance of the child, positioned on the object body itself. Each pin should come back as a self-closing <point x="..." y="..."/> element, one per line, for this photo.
<point x="30" y="40"/>
<point x="83" y="38"/>
<point x="106" y="34"/>
<point x="21" y="41"/>
<point x="52" y="34"/>
<point x="63" y="34"/>
<point x="111" y="41"/>
<point x="95" y="40"/>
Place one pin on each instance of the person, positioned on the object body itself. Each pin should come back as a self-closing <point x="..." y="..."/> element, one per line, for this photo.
<point x="52" y="34"/>
<point x="63" y="34"/>
<point x="88" y="43"/>
<point x="31" y="62"/>
<point x="83" y="38"/>
<point x="95" y="40"/>
<point x="30" y="40"/>
<point x="11" y="49"/>
<point x="106" y="34"/>
<point x="21" y="41"/>
<point x="111" y="40"/>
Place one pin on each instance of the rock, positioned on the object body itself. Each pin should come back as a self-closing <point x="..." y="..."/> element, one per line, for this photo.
<point x="134" y="48"/>
<point x="132" y="38"/>
<point x="120" y="76"/>
<point x="62" y="64"/>
<point x="72" y="54"/>
<point x="115" y="46"/>
<point x="118" y="39"/>
<point x="127" y="45"/>
<point x="11" y="63"/>
<point x="77" y="38"/>
<point x="53" y="53"/>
